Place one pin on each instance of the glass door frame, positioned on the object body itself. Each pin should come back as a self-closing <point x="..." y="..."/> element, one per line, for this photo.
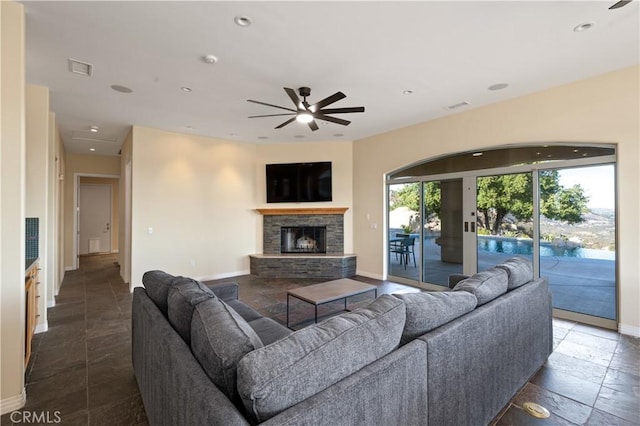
<point x="470" y="239"/>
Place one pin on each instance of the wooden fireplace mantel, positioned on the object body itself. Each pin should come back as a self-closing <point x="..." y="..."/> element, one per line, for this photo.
<point x="306" y="211"/>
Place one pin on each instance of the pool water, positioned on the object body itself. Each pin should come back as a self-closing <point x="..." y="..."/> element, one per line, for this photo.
<point x="525" y="247"/>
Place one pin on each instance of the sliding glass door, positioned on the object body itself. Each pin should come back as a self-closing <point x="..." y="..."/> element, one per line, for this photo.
<point x="504" y="218"/>
<point x="554" y="205"/>
<point x="578" y="238"/>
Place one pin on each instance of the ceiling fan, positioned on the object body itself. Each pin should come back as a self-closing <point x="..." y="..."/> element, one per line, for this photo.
<point x="305" y="113"/>
<point x="620" y="4"/>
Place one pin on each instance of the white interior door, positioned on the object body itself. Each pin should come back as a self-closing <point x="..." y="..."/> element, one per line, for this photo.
<point x="94" y="216"/>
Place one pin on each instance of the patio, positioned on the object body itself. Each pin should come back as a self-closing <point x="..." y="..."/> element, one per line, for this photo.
<point x="579" y="285"/>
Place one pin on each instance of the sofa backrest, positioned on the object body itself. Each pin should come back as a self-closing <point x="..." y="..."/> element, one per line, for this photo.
<point x="478" y="361"/>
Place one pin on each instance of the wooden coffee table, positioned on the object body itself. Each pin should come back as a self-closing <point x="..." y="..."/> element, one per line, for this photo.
<point x="319" y="294"/>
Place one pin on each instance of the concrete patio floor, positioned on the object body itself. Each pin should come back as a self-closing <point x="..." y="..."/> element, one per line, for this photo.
<point x="581" y="285"/>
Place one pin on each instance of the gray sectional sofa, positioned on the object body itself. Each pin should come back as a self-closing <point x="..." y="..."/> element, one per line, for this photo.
<point x="202" y="357"/>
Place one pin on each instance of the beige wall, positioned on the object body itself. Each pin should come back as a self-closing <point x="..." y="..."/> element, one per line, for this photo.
<point x="341" y="156"/>
<point x="603" y="109"/>
<point x="76" y="165"/>
<point x="115" y="205"/>
<point x="37" y="186"/>
<point x="12" y="199"/>
<point x="198" y="196"/>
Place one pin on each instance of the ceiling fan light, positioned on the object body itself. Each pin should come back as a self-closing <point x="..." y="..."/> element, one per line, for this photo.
<point x="304" y="117"/>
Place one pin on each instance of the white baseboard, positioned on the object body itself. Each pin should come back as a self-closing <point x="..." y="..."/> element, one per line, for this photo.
<point x="69" y="268"/>
<point x="13" y="403"/>
<point x="223" y="275"/>
<point x="51" y="303"/>
<point x="41" y="328"/>
<point x="629" y="330"/>
<point x="369" y="275"/>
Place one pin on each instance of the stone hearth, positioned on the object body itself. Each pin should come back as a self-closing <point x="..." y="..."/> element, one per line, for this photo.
<point x="334" y="263"/>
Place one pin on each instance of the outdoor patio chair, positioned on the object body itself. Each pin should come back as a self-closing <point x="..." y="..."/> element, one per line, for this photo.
<point x="404" y="248"/>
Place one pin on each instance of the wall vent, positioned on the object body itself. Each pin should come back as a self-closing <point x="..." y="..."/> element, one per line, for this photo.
<point x="82" y="68"/>
<point x="458" y="105"/>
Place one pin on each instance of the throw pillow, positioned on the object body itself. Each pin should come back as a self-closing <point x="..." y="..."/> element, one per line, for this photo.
<point x="519" y="271"/>
<point x="157" y="284"/>
<point x="278" y="376"/>
<point x="485" y="285"/>
<point x="184" y="295"/>
<point x="426" y="311"/>
<point x="220" y="337"/>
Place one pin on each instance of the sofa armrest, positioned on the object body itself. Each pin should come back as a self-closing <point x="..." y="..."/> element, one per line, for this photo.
<point x="224" y="291"/>
<point x="456" y="278"/>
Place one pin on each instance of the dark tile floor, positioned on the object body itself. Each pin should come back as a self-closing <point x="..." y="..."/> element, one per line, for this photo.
<point x="81" y="370"/>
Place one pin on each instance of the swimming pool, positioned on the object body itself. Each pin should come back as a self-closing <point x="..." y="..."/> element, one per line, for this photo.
<point x="524" y="247"/>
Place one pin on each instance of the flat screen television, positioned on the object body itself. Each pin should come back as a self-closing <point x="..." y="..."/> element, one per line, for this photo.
<point x="299" y="182"/>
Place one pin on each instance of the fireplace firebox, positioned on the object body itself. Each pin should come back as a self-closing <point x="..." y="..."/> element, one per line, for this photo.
<point x="303" y="239"/>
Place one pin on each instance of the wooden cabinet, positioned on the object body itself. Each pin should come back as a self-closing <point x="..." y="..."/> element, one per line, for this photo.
<point x="32" y="284"/>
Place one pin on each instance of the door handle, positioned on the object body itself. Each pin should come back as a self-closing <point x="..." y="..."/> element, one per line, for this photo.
<point x="466" y="227"/>
<point x="473" y="227"/>
<point x="108" y="226"/>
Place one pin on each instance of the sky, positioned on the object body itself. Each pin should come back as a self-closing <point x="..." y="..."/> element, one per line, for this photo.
<point x="598" y="183"/>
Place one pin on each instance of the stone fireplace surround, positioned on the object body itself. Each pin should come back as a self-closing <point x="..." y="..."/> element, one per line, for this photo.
<point x="332" y="264"/>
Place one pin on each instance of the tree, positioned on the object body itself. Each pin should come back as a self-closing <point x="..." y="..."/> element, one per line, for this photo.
<point x="408" y="196"/>
<point x="499" y="196"/>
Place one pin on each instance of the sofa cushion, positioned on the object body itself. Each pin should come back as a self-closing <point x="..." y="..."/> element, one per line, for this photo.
<point x="426" y="311"/>
<point x="184" y="295"/>
<point x="219" y="339"/>
<point x="280" y="375"/>
<point x="268" y="330"/>
<point x="485" y="285"/>
<point x="519" y="271"/>
<point x="157" y="284"/>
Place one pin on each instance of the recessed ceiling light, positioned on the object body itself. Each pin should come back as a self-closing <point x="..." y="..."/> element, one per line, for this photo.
<point x="121" y="89"/>
<point x="188" y="127"/>
<point x="299" y="136"/>
<point x="210" y="59"/>
<point x="498" y="86"/>
<point x="94" y="129"/>
<point x="583" y="27"/>
<point x="477" y="154"/>
<point x="242" y="21"/>
<point x="338" y="135"/>
<point x="576" y="150"/>
<point x="92" y="149"/>
<point x="407" y="92"/>
<point x="185" y="89"/>
<point x="262" y="137"/>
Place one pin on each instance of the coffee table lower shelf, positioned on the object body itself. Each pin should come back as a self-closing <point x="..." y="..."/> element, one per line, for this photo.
<point x="332" y="291"/>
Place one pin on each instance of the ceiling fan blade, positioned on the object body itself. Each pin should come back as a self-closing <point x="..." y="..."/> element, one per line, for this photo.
<point x="313" y="126"/>
<point x="336" y="120"/>
<point x="342" y="110"/>
<point x="294" y="98"/>
<point x="620" y="4"/>
<point x="327" y="101"/>
<point x="270" y="115"/>
<point x="271" y="105"/>
<point x="285" y="123"/>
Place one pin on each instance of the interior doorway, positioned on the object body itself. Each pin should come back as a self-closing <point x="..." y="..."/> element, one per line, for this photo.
<point x="94" y="218"/>
<point x="90" y="231"/>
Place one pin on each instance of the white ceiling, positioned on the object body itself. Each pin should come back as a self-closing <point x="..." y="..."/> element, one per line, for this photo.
<point x="445" y="52"/>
